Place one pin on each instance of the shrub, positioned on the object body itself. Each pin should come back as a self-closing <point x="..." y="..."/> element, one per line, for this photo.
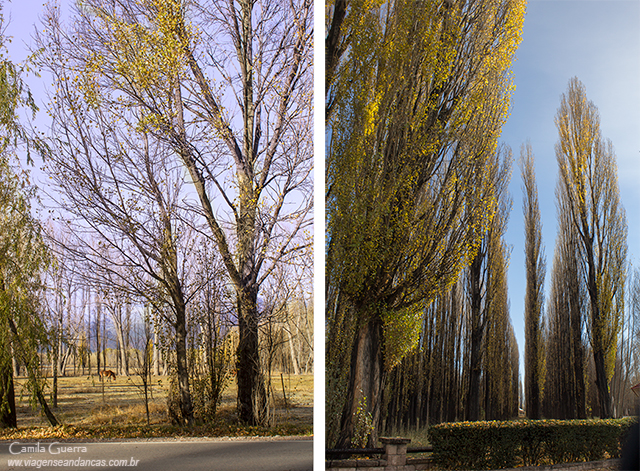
<point x="493" y="445"/>
<point x="363" y="425"/>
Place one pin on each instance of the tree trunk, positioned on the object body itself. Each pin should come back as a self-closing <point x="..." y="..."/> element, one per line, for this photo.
<point x="597" y="341"/>
<point x="252" y="405"/>
<point x="65" y="356"/>
<point x="602" y="386"/>
<point x="186" y="406"/>
<point x="533" y="391"/>
<point x="89" y="332"/>
<point x="127" y="339"/>
<point x="98" y="313"/>
<point x="473" y="396"/>
<point x="8" y="417"/>
<point x="211" y="365"/>
<point x="122" y="348"/>
<point x="366" y="383"/>
<point x="54" y="366"/>
<point x="104" y="340"/>
<point x="156" y="353"/>
<point x="156" y="347"/>
<point x="578" y="365"/>
<point x="14" y="363"/>
<point x="292" y="351"/>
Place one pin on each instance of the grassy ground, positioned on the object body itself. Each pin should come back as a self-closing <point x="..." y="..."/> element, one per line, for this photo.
<point x="419" y="438"/>
<point x="90" y="409"/>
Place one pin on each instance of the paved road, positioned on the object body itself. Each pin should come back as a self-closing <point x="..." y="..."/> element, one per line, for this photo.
<point x="197" y="455"/>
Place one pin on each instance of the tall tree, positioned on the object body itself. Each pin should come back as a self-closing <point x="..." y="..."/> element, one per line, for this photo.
<point x="422" y="93"/>
<point x="565" y="395"/>
<point x="23" y="258"/>
<point x="534" y="296"/>
<point x="627" y="371"/>
<point x="123" y="200"/>
<point x="588" y="173"/>
<point x="227" y="86"/>
<point x="486" y="279"/>
<point x="24" y="255"/>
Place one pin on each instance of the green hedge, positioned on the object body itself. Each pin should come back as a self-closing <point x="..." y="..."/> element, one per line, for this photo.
<point x="494" y="445"/>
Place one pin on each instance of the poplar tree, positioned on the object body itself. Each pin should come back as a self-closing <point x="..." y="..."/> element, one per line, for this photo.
<point x="534" y="295"/>
<point x="24" y="256"/>
<point x="565" y="386"/>
<point x="486" y="288"/>
<point x="418" y="99"/>
<point x="588" y="174"/>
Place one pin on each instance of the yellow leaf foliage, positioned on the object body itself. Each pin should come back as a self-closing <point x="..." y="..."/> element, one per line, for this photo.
<point x="422" y="94"/>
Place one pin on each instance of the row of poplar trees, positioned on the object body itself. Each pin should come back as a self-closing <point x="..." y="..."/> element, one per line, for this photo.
<point x="416" y="97"/>
<point x="417" y="309"/>
<point x="574" y="347"/>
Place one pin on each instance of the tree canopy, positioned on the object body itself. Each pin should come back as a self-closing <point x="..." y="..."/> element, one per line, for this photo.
<point x="224" y="89"/>
<point x="589" y="184"/>
<point x="418" y="93"/>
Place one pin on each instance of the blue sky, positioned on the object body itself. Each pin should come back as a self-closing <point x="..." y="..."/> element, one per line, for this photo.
<point x="599" y="42"/>
<point x="21" y="17"/>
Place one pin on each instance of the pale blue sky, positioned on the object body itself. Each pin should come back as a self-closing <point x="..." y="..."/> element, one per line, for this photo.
<point x="21" y="18"/>
<point x="598" y="42"/>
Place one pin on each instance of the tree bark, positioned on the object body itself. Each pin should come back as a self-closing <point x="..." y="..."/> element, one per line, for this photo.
<point x="97" y="336"/>
<point x="366" y="382"/>
<point x="601" y="384"/>
<point x="8" y="417"/>
<point x="252" y="404"/>
<point x="597" y="342"/>
<point x="54" y="365"/>
<point x="186" y="406"/>
<point x="156" y="352"/>
<point x="533" y="390"/>
<point x="578" y="355"/>
<point x="477" y="327"/>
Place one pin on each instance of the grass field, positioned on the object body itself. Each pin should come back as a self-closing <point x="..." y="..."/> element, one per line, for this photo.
<point x="89" y="408"/>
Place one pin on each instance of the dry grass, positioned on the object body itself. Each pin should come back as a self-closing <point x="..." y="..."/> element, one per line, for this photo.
<point x="130" y="414"/>
<point x="88" y="406"/>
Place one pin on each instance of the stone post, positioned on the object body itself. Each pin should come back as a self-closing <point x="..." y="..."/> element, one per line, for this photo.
<point x="395" y="451"/>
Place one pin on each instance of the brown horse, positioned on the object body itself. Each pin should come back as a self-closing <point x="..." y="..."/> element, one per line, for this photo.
<point x="108" y="374"/>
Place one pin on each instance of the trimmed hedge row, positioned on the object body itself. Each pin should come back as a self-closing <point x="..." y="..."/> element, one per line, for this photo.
<point x="494" y="445"/>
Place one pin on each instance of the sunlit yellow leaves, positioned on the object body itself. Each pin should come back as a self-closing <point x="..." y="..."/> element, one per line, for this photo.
<point x="401" y="333"/>
<point x="590" y="200"/>
<point x="371" y="114"/>
<point x="420" y="99"/>
<point x="145" y="55"/>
